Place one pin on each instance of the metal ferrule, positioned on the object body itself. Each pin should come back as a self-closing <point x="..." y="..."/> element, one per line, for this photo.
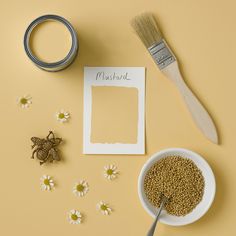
<point x="161" y="54"/>
<point x="58" y="65"/>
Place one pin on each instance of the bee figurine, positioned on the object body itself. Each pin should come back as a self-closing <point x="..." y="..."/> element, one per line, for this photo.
<point x="46" y="150"/>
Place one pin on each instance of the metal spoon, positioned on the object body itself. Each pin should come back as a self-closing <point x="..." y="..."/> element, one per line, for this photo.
<point x="153" y="227"/>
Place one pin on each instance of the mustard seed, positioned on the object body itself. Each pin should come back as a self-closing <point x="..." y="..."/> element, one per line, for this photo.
<point x="177" y="178"/>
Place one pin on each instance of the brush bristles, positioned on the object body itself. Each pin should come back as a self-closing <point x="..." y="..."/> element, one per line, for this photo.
<point x="146" y="28"/>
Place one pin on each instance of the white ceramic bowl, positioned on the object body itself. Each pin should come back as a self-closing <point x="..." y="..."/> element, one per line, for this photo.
<point x="209" y="190"/>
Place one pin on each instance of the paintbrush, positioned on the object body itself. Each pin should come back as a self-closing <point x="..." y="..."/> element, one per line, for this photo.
<point x="148" y="31"/>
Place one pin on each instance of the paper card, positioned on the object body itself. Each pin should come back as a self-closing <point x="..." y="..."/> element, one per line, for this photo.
<point x="114" y="110"/>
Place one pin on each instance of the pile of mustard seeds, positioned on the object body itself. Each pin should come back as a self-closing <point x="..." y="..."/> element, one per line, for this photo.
<point x="178" y="179"/>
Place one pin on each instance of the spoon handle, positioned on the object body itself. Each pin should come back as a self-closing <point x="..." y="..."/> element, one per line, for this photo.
<point x="153" y="227"/>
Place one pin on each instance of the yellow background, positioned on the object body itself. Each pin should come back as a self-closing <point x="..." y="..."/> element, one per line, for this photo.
<point x="202" y="34"/>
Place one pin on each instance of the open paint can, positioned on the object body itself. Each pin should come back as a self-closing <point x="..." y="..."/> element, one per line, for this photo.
<point x="51" y="43"/>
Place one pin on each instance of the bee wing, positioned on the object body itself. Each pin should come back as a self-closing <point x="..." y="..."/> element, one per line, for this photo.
<point x="54" y="154"/>
<point x="36" y="140"/>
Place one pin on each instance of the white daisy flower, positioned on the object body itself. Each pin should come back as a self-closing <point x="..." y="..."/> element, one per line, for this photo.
<point x="74" y="217"/>
<point x="110" y="172"/>
<point x="104" y="208"/>
<point x="62" y="116"/>
<point x="47" y="183"/>
<point x="81" y="188"/>
<point x="24" y="101"/>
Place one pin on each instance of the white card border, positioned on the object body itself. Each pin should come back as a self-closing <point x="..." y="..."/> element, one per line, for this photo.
<point x="138" y="81"/>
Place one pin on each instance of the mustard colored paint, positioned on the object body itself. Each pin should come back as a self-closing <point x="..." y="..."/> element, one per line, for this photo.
<point x="50" y="41"/>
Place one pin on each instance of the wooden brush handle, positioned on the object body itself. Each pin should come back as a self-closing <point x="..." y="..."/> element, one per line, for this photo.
<point x="198" y="112"/>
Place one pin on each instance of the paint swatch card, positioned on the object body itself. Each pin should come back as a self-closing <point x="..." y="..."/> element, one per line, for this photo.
<point x="114" y="110"/>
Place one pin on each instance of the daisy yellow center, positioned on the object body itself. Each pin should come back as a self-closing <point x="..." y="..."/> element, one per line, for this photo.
<point x="61" y="115"/>
<point x="109" y="171"/>
<point x="103" y="207"/>
<point x="80" y="188"/>
<point x="74" y="217"/>
<point x="23" y="101"/>
<point x="46" y="182"/>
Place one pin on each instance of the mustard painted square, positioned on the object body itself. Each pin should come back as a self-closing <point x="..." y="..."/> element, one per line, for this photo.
<point x="114" y="114"/>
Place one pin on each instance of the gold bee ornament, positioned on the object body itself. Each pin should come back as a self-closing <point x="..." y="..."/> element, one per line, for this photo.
<point x="45" y="149"/>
